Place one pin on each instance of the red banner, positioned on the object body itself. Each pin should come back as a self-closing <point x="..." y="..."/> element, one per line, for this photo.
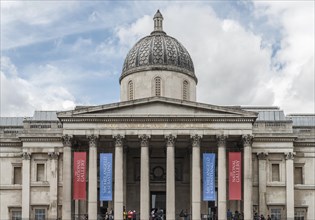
<point x="235" y="176"/>
<point x="79" y="176"/>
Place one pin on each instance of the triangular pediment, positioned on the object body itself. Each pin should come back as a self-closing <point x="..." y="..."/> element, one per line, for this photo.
<point x="157" y="107"/>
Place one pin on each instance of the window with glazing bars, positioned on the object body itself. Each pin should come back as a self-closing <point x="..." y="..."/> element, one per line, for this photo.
<point x="130" y="90"/>
<point x="185" y="90"/>
<point x="157" y="86"/>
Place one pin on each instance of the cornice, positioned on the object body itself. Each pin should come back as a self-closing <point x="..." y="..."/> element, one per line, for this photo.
<point x="274" y="139"/>
<point x="150" y="120"/>
<point x="304" y="144"/>
<point x="97" y="109"/>
<point x="40" y="139"/>
<point x="10" y="144"/>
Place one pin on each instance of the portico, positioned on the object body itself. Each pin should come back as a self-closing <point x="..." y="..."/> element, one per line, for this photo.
<point x="163" y="153"/>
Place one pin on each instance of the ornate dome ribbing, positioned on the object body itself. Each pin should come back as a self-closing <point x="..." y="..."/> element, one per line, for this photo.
<point x="158" y="51"/>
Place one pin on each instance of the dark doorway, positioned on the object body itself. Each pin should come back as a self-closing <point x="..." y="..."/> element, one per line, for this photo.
<point x="158" y="200"/>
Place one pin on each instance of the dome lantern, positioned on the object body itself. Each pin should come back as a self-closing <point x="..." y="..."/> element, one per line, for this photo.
<point x="158" y="23"/>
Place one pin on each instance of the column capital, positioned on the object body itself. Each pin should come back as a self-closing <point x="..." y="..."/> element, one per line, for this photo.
<point x="170" y="140"/>
<point x="247" y="140"/>
<point x="26" y="155"/>
<point x="196" y="139"/>
<point x="67" y="140"/>
<point x="144" y="140"/>
<point x="289" y="155"/>
<point x="92" y="140"/>
<point x="119" y="139"/>
<point x="53" y="155"/>
<point x="221" y="140"/>
<point x="262" y="155"/>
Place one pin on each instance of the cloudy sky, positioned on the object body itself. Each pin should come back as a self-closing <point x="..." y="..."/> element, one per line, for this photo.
<point x="59" y="54"/>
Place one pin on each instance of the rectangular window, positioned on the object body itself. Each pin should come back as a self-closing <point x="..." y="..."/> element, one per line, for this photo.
<point x="40" y="214"/>
<point x="16" y="215"/>
<point x="298" y="175"/>
<point x="17" y="175"/>
<point x="275" y="173"/>
<point x="275" y="213"/>
<point x="40" y="172"/>
<point x="299" y="214"/>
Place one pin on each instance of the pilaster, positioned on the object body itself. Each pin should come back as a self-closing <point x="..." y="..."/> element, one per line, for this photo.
<point x="53" y="184"/>
<point x="26" y="179"/>
<point x="262" y="156"/>
<point x="289" y="157"/>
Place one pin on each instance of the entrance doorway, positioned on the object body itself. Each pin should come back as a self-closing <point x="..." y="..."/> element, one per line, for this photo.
<point x="158" y="200"/>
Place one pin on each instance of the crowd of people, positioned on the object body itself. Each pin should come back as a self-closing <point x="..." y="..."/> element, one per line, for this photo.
<point x="240" y="215"/>
<point x="235" y="216"/>
<point x="261" y="217"/>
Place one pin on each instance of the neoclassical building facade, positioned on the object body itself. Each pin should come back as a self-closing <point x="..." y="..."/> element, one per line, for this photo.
<point x="157" y="135"/>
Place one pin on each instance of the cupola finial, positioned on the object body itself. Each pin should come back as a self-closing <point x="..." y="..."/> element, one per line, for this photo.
<point x="158" y="22"/>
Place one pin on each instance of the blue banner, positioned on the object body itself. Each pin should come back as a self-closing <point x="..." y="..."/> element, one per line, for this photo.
<point x="209" y="177"/>
<point x="106" y="177"/>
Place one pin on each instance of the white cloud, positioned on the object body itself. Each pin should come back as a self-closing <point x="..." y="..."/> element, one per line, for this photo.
<point x="20" y="97"/>
<point x="294" y="84"/>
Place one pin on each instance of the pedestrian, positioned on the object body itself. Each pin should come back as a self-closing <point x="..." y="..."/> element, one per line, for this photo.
<point x="124" y="213"/>
<point x="268" y="217"/>
<point x="229" y="214"/>
<point x="186" y="214"/>
<point x="130" y="215"/>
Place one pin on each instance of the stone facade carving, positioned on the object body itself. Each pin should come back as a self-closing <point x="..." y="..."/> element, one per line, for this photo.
<point x="221" y="140"/>
<point x="196" y="140"/>
<point x="289" y="155"/>
<point x="66" y="140"/>
<point x="170" y="140"/>
<point x="93" y="140"/>
<point x="26" y="155"/>
<point x="262" y="155"/>
<point x="144" y="140"/>
<point x="247" y="140"/>
<point x="53" y="155"/>
<point x="119" y="139"/>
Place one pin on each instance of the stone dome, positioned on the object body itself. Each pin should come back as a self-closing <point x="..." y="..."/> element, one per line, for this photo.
<point x="158" y="51"/>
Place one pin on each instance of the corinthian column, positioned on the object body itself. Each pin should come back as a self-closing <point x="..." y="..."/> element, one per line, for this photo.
<point x="289" y="185"/>
<point x="53" y="189"/>
<point x="119" y="183"/>
<point x="26" y="167"/>
<point x="66" y="178"/>
<point x="262" y="156"/>
<point x="92" y="200"/>
<point x="221" y="140"/>
<point x="248" y="189"/>
<point x="170" y="177"/>
<point x="145" y="179"/>
<point x="195" y="190"/>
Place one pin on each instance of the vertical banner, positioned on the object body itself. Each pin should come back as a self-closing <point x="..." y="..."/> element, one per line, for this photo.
<point x="106" y="176"/>
<point x="209" y="177"/>
<point x="79" y="176"/>
<point x="235" y="176"/>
